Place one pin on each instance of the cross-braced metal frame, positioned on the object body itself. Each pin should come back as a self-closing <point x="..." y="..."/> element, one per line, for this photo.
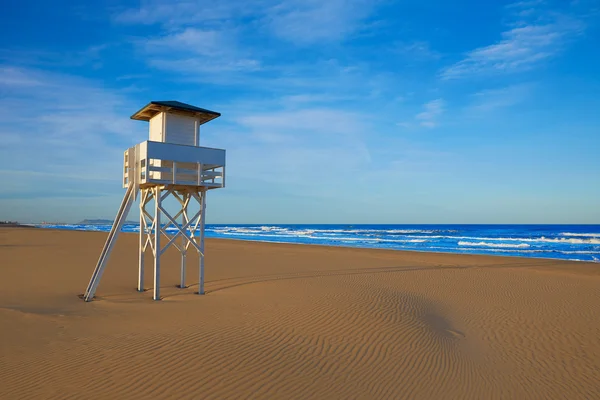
<point x="189" y="229"/>
<point x="184" y="226"/>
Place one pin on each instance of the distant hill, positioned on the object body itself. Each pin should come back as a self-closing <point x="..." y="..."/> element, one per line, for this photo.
<point x="102" y="222"/>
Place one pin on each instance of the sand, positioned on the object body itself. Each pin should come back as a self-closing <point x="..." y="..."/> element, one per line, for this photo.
<point x="291" y="321"/>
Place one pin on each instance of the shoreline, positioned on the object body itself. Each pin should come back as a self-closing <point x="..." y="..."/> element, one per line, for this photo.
<point x="597" y="263"/>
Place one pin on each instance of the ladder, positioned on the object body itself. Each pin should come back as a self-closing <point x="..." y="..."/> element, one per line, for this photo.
<point x="111" y="240"/>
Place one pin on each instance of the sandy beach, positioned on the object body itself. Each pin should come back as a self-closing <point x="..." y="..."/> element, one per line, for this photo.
<point x="293" y="321"/>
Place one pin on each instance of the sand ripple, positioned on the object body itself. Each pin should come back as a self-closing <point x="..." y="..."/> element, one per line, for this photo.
<point x="307" y="323"/>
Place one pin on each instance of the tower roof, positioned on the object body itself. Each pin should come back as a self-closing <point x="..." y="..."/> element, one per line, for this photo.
<point x="176" y="107"/>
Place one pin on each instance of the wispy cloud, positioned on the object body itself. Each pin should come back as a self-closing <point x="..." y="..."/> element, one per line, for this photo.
<point x="309" y="21"/>
<point x="493" y="99"/>
<point x="309" y="121"/>
<point x="420" y="50"/>
<point x="298" y="147"/>
<point x="314" y="98"/>
<point x="253" y="44"/>
<point x="90" y="56"/>
<point x="196" y="51"/>
<point x="247" y="43"/>
<point x="194" y="67"/>
<point x="298" y="21"/>
<point x="524" y="4"/>
<point x="195" y="38"/>
<point x="206" y="42"/>
<point x="429" y="117"/>
<point x="62" y="120"/>
<point x="13" y="77"/>
<point x="190" y="12"/>
<point x="522" y="47"/>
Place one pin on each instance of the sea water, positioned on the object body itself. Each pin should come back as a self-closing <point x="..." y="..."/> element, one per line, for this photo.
<point x="567" y="242"/>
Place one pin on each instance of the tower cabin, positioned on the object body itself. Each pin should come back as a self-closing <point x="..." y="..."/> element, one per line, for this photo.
<point x="173" y="155"/>
<point x="175" y="122"/>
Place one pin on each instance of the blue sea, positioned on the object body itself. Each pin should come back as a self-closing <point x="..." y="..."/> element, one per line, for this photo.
<point x="566" y="242"/>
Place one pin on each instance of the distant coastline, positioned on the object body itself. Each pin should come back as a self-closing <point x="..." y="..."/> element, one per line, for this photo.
<point x="14" y="224"/>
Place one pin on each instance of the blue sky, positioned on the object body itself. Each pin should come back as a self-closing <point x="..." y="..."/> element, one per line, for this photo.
<point x="332" y="111"/>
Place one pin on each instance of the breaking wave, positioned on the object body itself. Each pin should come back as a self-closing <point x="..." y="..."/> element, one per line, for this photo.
<point x="581" y="234"/>
<point x="520" y="245"/>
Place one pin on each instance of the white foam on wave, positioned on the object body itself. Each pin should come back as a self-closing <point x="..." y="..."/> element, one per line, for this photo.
<point x="563" y="240"/>
<point x="579" y="252"/>
<point x="373" y="240"/>
<point x="541" y="239"/>
<point x="256" y="234"/>
<point x="487" y="244"/>
<point x="305" y="235"/>
<point x="270" y="228"/>
<point x="524" y="251"/>
<point x="240" y="230"/>
<point x="593" y="235"/>
<point x="369" y="231"/>
<point x="310" y="231"/>
<point x="501" y="250"/>
<point x="513" y="250"/>
<point x="247" y="229"/>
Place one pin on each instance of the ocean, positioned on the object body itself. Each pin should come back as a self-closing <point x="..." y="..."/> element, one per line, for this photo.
<point x="565" y="242"/>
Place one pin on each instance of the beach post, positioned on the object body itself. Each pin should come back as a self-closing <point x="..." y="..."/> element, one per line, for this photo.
<point x="171" y="164"/>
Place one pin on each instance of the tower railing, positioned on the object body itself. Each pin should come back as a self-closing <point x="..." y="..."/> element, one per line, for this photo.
<point x="157" y="163"/>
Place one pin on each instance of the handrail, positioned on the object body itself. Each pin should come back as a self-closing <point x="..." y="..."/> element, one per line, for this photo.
<point x="169" y="163"/>
<point x="185" y="145"/>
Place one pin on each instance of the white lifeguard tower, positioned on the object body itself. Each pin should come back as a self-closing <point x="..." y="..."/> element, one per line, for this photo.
<point x="171" y="163"/>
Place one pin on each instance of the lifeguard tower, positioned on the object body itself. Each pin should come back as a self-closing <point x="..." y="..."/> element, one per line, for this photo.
<point x="171" y="163"/>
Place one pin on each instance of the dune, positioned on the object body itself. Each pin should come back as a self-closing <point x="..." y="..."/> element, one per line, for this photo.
<point x="294" y="322"/>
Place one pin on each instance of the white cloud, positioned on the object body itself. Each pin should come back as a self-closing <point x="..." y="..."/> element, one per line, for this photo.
<point x="521" y="48"/>
<point x="242" y="43"/>
<point x="194" y="66"/>
<point x="404" y="124"/>
<point x="187" y="12"/>
<point x="91" y="56"/>
<point x="313" y="98"/>
<point x="298" y="148"/>
<point x="298" y="21"/>
<point x="527" y="4"/>
<point x="309" y="21"/>
<point x="194" y="51"/>
<point x="417" y="50"/>
<point x="196" y="38"/>
<point x="429" y="117"/>
<point x="190" y="40"/>
<point x="307" y="121"/>
<point x="492" y="99"/>
<point x="62" y="123"/>
<point x="13" y="77"/>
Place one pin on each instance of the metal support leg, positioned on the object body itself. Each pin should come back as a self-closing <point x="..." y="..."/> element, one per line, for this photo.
<point x="202" y="221"/>
<point x="157" y="234"/>
<point x="142" y="243"/>
<point x="184" y="220"/>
